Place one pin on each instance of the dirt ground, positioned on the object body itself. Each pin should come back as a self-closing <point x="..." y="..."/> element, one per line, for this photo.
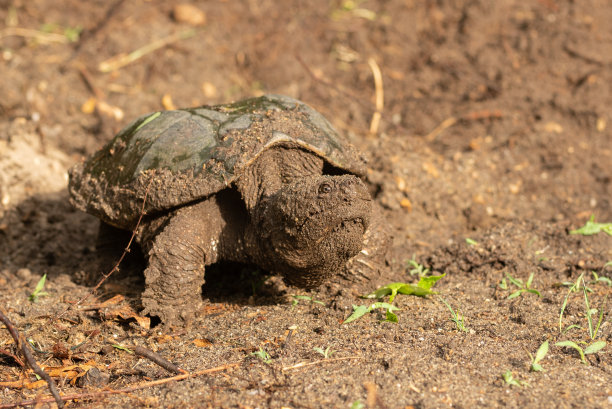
<point x="496" y="127"/>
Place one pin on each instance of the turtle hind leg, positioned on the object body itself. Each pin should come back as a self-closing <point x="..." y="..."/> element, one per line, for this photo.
<point x="177" y="256"/>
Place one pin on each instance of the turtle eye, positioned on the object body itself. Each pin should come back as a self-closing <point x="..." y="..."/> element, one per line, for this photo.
<point x="325" y="188"/>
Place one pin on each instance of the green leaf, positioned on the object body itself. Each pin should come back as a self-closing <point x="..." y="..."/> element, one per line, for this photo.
<point x="509" y="379"/>
<point x="594" y="347"/>
<point x="427" y="282"/>
<point x="534" y="291"/>
<point x="591" y="227"/>
<point x="121" y="347"/>
<point x="529" y="281"/>
<point x="536" y="367"/>
<point x="358" y="312"/>
<point x="573" y="326"/>
<point x="516" y="294"/>
<point x="541" y="352"/>
<point x="572" y="344"/>
<point x="391" y="317"/>
<point x="471" y="242"/>
<point x="516" y="281"/>
<point x="421" y="289"/>
<point x="357" y="405"/>
<point x="503" y="284"/>
<point x="38" y="291"/>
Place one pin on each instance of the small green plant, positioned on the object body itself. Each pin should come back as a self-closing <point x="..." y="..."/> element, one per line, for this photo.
<point x="361" y="310"/>
<point x="539" y="355"/>
<point x="421" y="289"/>
<point x="509" y="379"/>
<point x="414" y="268"/>
<point x="327" y="352"/>
<point x="601" y="279"/>
<point x="590" y="349"/>
<point x="593" y="328"/>
<point x="72" y="34"/>
<point x="456" y="317"/>
<point x="263" y="355"/>
<point x="357" y="405"/>
<point x="297" y="298"/>
<point x="523" y="287"/>
<point x="471" y="242"/>
<point x="591" y="227"/>
<point x="38" y="291"/>
<point x="122" y="348"/>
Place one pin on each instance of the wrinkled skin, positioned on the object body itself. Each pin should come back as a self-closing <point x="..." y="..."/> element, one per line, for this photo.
<point x="311" y="228"/>
<point x="283" y="216"/>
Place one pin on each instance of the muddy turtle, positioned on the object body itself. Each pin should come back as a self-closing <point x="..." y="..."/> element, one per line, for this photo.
<point x="265" y="181"/>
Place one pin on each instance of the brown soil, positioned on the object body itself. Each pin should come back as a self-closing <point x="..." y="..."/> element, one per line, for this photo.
<point x="496" y="126"/>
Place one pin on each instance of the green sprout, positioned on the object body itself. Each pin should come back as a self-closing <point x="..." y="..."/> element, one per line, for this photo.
<point x="297" y="298"/>
<point x="357" y="405"/>
<point x="361" y="310"/>
<point x="471" y="242"/>
<point x="456" y="316"/>
<point x="421" y="289"/>
<point x="38" y="291"/>
<point x="524" y="287"/>
<point x="263" y="355"/>
<point x="593" y="328"/>
<point x="327" y="352"/>
<point x="539" y="355"/>
<point x="509" y="379"/>
<point x="416" y="268"/>
<point x="591" y="227"/>
<point x="122" y="348"/>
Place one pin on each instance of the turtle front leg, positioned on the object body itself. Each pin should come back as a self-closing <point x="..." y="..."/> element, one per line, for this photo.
<point x="177" y="256"/>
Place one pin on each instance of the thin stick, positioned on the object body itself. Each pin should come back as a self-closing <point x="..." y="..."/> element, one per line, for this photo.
<point x="304" y="364"/>
<point x="38" y="35"/>
<point x="158" y="359"/>
<point x="470" y="116"/>
<point x="121" y="60"/>
<point x="116" y="267"/>
<point x="23" y="345"/>
<point x="318" y="78"/>
<point x="128" y="389"/>
<point x="380" y="95"/>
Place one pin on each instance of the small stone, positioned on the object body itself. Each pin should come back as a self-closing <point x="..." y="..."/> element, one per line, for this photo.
<point x="188" y="13"/>
<point x="406" y="204"/>
<point x="93" y="377"/>
<point x="24" y="274"/>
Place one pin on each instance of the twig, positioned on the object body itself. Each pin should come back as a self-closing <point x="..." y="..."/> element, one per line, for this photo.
<point x="15" y="357"/>
<point x="322" y="80"/>
<point x="90" y="395"/>
<point x="470" y="116"/>
<point x="23" y="345"/>
<point x="38" y="35"/>
<point x="304" y="364"/>
<point x="116" y="267"/>
<point x="121" y="60"/>
<point x="380" y="95"/>
<point x="158" y="359"/>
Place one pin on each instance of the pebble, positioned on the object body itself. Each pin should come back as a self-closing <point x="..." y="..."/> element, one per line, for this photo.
<point x="24" y="274"/>
<point x="188" y="13"/>
<point x="93" y="377"/>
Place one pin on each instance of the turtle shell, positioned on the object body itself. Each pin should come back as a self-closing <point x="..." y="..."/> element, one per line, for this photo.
<point x="170" y="158"/>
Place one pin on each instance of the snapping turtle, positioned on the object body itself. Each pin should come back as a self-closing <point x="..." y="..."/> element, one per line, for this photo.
<point x="265" y="181"/>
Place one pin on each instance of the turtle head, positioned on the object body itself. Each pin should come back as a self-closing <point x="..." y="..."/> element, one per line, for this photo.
<point x="313" y="226"/>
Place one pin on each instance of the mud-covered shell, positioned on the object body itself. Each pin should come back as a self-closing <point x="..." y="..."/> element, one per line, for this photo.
<point x="176" y="157"/>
